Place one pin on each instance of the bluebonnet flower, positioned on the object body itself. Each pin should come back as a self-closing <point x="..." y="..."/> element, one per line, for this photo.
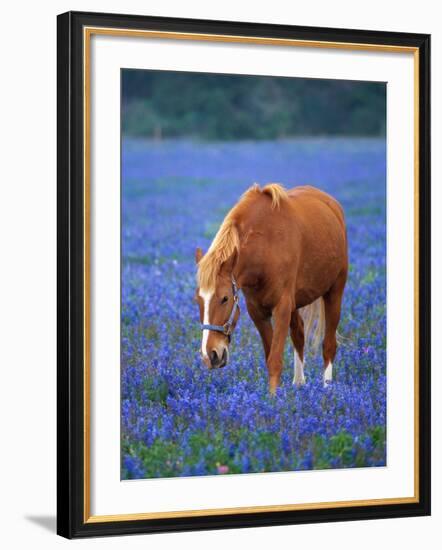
<point x="133" y="467"/>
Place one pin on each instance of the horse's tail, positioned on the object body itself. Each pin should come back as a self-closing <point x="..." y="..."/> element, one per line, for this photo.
<point x="314" y="322"/>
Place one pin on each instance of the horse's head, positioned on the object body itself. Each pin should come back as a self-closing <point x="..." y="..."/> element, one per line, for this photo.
<point x="219" y="313"/>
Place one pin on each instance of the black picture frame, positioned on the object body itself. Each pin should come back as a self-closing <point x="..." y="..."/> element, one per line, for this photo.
<point x="71" y="522"/>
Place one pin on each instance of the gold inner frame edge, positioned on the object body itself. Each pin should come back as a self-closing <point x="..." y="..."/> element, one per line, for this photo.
<point x="87" y="33"/>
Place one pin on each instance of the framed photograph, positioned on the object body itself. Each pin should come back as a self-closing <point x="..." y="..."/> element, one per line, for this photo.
<point x="243" y="274"/>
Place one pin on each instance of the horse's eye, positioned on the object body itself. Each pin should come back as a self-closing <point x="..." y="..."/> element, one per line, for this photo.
<point x="224" y="300"/>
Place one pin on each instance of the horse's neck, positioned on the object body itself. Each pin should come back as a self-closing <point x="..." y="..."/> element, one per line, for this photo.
<point x="241" y="272"/>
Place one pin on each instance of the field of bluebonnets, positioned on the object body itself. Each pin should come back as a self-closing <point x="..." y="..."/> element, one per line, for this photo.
<point x="178" y="418"/>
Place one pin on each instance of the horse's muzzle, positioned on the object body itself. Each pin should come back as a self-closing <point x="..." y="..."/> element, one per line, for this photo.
<point x="217" y="362"/>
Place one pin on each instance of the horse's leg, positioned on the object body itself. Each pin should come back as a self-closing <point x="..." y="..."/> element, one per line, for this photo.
<point x="297" y="335"/>
<point x="281" y="316"/>
<point x="332" y="309"/>
<point x="263" y="323"/>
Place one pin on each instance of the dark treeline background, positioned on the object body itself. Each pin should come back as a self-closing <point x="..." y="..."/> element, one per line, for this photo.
<point x="163" y="104"/>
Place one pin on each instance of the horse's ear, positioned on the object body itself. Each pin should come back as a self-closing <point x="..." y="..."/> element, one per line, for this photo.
<point x="229" y="264"/>
<point x="198" y="255"/>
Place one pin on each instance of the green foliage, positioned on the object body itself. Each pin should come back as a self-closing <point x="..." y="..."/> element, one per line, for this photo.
<point x="165" y="457"/>
<point x="156" y="392"/>
<point x="344" y="451"/>
<point x="160" y="104"/>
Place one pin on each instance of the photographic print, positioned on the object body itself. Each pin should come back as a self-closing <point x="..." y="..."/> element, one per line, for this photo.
<point x="253" y="274"/>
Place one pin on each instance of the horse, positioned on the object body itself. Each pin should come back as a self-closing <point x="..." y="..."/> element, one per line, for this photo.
<point x="287" y="251"/>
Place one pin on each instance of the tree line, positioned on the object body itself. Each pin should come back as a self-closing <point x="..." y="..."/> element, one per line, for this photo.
<point x="165" y="104"/>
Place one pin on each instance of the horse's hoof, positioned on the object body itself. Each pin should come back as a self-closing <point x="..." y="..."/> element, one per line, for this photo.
<point x="298" y="383"/>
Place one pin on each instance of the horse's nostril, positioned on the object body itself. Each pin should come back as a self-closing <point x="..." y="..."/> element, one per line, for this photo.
<point x="213" y="357"/>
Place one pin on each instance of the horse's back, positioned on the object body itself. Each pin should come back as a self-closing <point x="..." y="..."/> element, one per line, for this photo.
<point x="307" y="216"/>
<point x="307" y="196"/>
<point x="319" y="217"/>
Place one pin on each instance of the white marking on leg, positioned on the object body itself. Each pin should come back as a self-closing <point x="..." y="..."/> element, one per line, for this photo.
<point x="298" y="375"/>
<point x="328" y="374"/>
<point x="206" y="295"/>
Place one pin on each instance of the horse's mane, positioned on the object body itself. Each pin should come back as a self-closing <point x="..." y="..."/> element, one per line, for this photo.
<point x="274" y="190"/>
<point x="226" y="240"/>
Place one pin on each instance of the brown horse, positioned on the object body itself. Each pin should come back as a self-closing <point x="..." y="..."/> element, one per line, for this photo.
<point x="287" y="252"/>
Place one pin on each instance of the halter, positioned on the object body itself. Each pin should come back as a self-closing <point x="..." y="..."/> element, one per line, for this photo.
<point x="226" y="329"/>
